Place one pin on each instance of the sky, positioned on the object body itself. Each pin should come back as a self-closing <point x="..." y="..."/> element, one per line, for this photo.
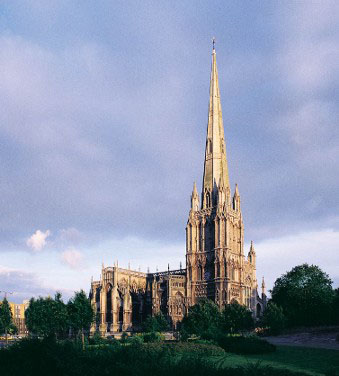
<point x="103" y="123"/>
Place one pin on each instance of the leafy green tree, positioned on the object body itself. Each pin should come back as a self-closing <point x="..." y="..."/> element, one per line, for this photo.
<point x="203" y="319"/>
<point x="305" y="295"/>
<point x="335" y="308"/>
<point x="81" y="314"/>
<point x="156" y="323"/>
<point x="236" y="318"/>
<point x="273" y="318"/>
<point x="6" y="319"/>
<point x="47" y="317"/>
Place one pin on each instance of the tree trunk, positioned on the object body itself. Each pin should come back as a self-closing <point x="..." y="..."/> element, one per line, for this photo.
<point x="83" y="338"/>
<point x="6" y="336"/>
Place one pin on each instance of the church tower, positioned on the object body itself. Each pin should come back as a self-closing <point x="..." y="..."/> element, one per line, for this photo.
<point x="216" y="266"/>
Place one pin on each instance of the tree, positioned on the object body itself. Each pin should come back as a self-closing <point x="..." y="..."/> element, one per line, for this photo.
<point x="47" y="317"/>
<point x="156" y="323"/>
<point x="236" y="318"/>
<point x="335" y="308"/>
<point x="81" y="314"/>
<point x="273" y="318"/>
<point x="203" y="319"/>
<point x="305" y="295"/>
<point x="6" y="319"/>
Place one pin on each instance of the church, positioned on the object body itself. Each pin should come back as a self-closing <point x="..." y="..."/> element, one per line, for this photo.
<point x="216" y="266"/>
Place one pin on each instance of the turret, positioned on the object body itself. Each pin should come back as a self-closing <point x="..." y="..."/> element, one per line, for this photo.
<point x="251" y="254"/>
<point x="263" y="288"/>
<point x="195" y="199"/>
<point x="236" y="199"/>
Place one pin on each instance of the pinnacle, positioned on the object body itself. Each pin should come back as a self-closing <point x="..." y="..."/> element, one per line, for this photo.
<point x="215" y="167"/>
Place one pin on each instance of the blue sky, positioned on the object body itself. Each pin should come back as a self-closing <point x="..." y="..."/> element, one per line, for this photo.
<point x="102" y="127"/>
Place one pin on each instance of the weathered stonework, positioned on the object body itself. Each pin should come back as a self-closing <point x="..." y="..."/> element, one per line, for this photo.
<point x="216" y="267"/>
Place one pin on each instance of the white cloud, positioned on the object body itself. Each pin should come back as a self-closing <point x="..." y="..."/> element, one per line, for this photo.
<point x="279" y="255"/>
<point x="73" y="258"/>
<point x="38" y="240"/>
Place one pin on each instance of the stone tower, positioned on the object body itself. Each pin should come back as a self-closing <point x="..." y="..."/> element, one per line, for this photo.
<point x="216" y="266"/>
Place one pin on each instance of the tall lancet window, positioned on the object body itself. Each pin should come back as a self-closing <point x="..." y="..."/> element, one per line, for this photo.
<point x="209" y="146"/>
<point x="199" y="272"/>
<point x="208" y="200"/>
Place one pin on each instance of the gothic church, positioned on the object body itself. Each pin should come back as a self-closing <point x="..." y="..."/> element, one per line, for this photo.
<point x="216" y="267"/>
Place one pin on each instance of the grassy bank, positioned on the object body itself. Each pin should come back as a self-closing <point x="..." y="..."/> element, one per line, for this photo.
<point x="37" y="357"/>
<point x="302" y="359"/>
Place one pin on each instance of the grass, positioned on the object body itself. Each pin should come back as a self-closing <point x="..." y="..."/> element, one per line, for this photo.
<point x="314" y="361"/>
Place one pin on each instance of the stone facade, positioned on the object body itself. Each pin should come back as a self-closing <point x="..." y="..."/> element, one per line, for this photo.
<point x="216" y="267"/>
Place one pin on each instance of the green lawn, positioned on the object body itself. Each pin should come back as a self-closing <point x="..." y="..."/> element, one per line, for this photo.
<point x="314" y="361"/>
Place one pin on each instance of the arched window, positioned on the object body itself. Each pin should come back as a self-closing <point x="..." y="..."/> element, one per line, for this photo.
<point x="218" y="270"/>
<point x="233" y="273"/>
<point x="210" y="146"/>
<point x="208" y="200"/>
<point x="225" y="268"/>
<point x="199" y="272"/>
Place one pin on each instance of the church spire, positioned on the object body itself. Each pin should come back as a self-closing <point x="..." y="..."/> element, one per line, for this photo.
<point x="215" y="166"/>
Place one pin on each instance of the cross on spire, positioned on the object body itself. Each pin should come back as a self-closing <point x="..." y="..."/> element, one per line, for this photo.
<point x="213" y="42"/>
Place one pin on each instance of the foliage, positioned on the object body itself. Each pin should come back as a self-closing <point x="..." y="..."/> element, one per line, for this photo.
<point x="136" y="339"/>
<point x="273" y="318"/>
<point x="153" y="337"/>
<point x="48" y="357"/>
<point x="47" y="317"/>
<point x="245" y="344"/>
<point x="6" y="319"/>
<point x="236" y="318"/>
<point x="97" y="339"/>
<point x="335" y="308"/>
<point x="80" y="313"/>
<point x="305" y="295"/>
<point x="203" y="319"/>
<point x="124" y="338"/>
<point x="156" y="323"/>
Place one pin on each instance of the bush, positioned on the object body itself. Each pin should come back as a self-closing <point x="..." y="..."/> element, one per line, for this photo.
<point x="273" y="318"/>
<point x="156" y="323"/>
<point x="136" y="339"/>
<point x="97" y="339"/>
<point x="236" y="318"/>
<point x="201" y="348"/>
<point x="153" y="337"/>
<point x="245" y="345"/>
<point x="203" y="319"/>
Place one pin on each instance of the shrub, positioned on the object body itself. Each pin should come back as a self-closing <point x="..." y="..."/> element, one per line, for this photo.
<point x="236" y="318"/>
<point x="97" y="339"/>
<point x="135" y="339"/>
<point x="201" y="348"/>
<point x="156" y="323"/>
<point x="273" y="318"/>
<point x="153" y="337"/>
<point x="245" y="345"/>
<point x="203" y="319"/>
<point x="124" y="337"/>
